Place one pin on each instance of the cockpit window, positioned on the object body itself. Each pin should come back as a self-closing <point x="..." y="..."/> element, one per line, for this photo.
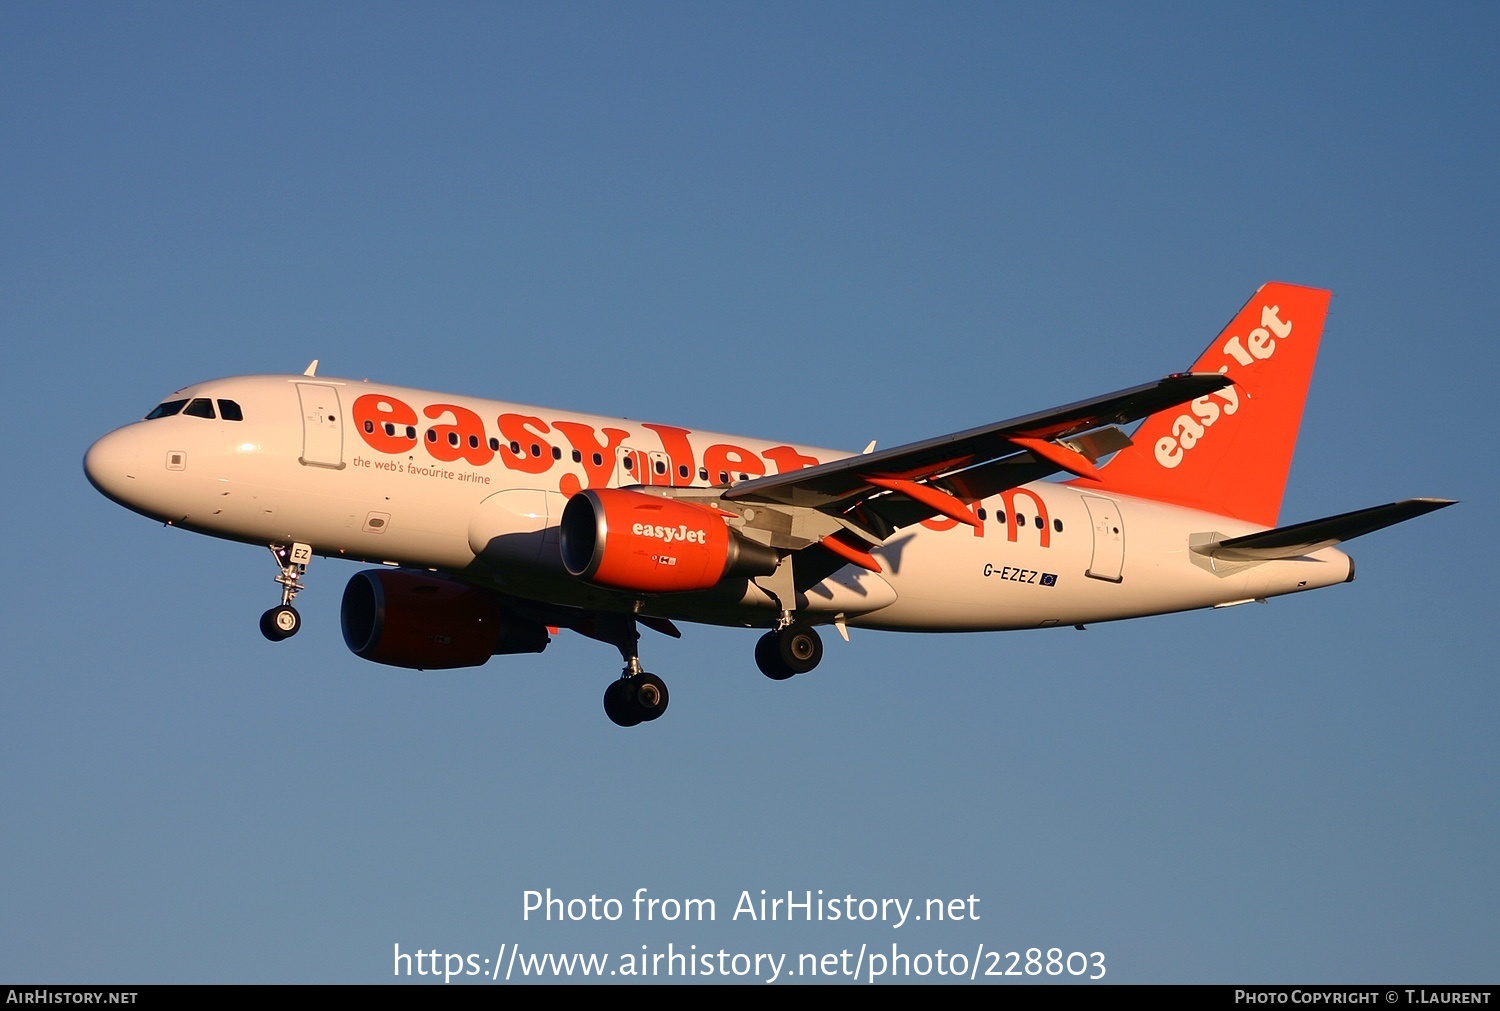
<point x="198" y="407"/>
<point x="167" y="409"/>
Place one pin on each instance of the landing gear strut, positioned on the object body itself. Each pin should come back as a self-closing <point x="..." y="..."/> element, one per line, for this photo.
<point x="638" y="696"/>
<point x="283" y="622"/>
<point x="794" y="648"/>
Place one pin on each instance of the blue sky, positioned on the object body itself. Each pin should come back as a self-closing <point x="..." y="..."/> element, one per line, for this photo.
<point x="828" y="223"/>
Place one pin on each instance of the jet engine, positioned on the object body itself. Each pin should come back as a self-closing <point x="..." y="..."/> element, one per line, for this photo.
<point x="631" y="541"/>
<point x="427" y="622"/>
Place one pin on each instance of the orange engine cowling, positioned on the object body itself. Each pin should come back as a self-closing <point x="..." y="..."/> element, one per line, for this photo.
<point x="427" y="622"/>
<point x="630" y="541"/>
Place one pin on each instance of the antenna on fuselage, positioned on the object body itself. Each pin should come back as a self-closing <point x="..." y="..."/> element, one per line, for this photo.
<point x="312" y="368"/>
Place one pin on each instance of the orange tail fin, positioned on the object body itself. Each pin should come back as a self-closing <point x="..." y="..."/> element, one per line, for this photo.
<point x="1229" y="452"/>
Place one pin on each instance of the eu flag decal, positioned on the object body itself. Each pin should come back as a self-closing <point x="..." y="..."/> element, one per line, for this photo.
<point x="1049" y="579"/>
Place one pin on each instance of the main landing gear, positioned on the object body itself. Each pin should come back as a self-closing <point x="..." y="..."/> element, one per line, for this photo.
<point x="793" y="648"/>
<point x="638" y="696"/>
<point x="283" y="622"/>
<point x="635" y="698"/>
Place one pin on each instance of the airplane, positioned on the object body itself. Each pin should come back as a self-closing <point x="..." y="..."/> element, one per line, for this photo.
<point x="497" y="525"/>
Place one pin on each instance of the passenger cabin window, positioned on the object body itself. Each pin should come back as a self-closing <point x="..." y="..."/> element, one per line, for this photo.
<point x="199" y="407"/>
<point x="230" y="411"/>
<point x="167" y="409"/>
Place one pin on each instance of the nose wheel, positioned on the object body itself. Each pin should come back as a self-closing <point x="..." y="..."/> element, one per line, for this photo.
<point x="283" y="622"/>
<point x="280" y="623"/>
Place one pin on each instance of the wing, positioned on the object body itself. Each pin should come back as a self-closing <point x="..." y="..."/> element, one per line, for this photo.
<point x="876" y="493"/>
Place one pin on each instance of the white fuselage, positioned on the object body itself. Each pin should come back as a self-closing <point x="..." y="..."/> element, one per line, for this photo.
<point x="475" y="487"/>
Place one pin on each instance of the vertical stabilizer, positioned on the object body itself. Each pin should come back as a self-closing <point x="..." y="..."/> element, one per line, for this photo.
<point x="1229" y="452"/>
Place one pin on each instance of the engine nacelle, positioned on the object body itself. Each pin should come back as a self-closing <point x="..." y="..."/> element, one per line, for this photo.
<point x="428" y="622"/>
<point x="631" y="541"/>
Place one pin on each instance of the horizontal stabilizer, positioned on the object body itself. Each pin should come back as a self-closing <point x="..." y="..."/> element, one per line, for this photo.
<point x="1304" y="538"/>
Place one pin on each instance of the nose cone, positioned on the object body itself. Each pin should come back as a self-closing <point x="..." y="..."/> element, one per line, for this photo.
<point x="113" y="465"/>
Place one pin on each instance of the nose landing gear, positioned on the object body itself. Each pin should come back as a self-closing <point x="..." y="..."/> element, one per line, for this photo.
<point x="283" y="622"/>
